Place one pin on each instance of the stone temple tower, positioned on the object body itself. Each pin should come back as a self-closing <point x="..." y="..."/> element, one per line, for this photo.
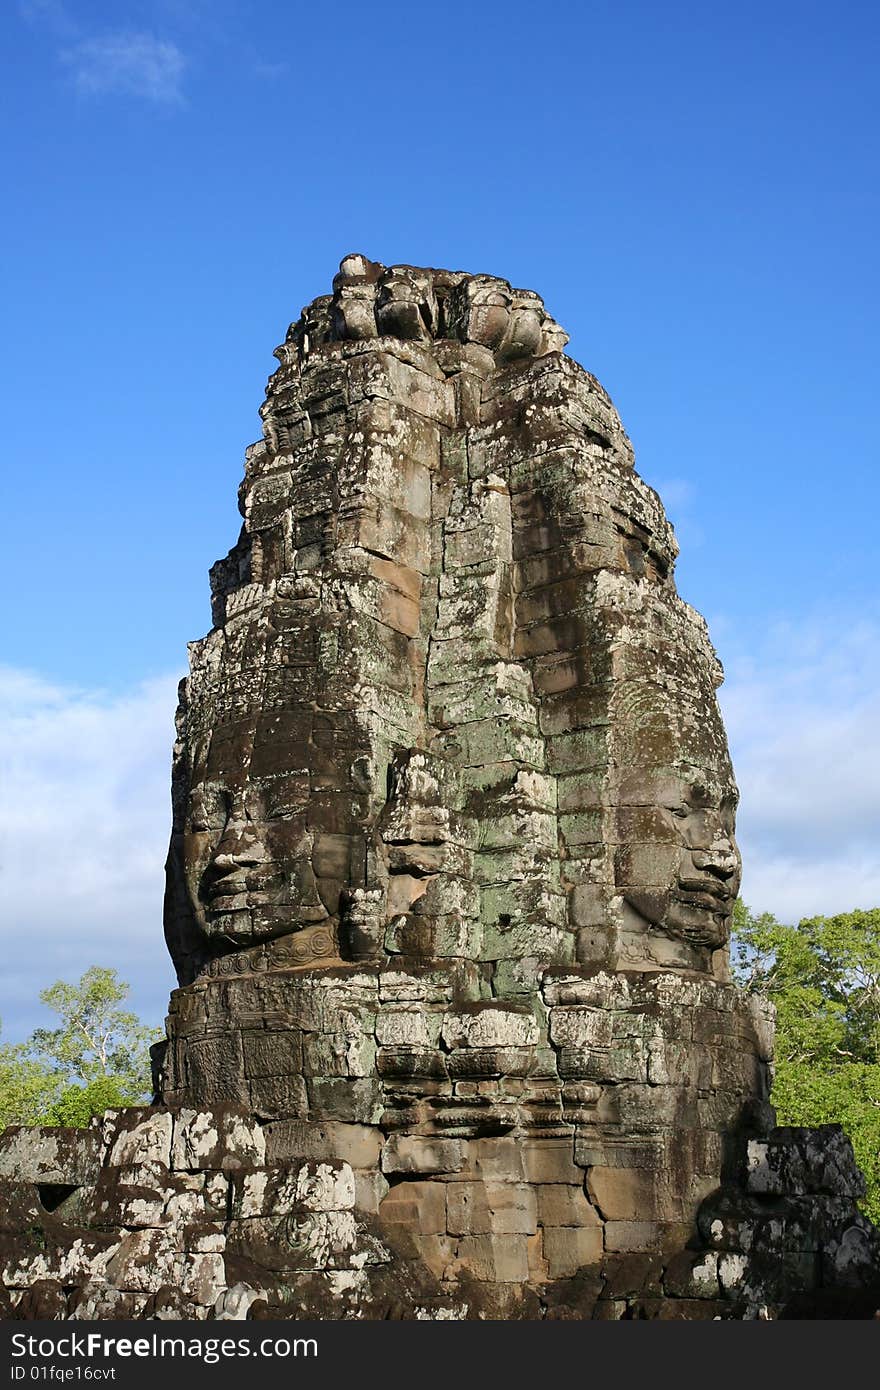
<point x="451" y="878"/>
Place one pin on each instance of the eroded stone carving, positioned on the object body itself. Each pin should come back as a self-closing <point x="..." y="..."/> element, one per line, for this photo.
<point x="450" y="667"/>
<point x="449" y="887"/>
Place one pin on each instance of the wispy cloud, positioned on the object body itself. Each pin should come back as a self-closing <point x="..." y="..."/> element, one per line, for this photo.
<point x="84" y="821"/>
<point x="128" y="64"/>
<point x="802" y="711"/>
<point x="679" y="500"/>
<point x="49" y="14"/>
<point x="270" y="71"/>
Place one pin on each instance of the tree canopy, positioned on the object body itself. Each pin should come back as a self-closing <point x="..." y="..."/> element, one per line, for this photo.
<point x="96" y="1058"/>
<point x="824" y="978"/>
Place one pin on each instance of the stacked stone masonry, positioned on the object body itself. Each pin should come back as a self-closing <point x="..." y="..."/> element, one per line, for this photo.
<point x="449" y="888"/>
<point x="177" y="1213"/>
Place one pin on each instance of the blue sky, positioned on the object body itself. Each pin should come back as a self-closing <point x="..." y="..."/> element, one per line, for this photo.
<point x="692" y="188"/>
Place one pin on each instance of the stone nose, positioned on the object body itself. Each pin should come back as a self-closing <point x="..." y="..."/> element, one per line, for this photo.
<point x="721" y="858"/>
<point x="239" y="849"/>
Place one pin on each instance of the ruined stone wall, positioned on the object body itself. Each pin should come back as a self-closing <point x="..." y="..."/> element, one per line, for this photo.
<point x="616" y="1091"/>
<point x="186" y="1214"/>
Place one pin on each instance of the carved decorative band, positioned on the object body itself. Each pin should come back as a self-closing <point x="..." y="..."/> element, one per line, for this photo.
<point x="311" y="946"/>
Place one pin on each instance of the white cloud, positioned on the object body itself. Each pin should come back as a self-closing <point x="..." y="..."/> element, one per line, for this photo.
<point x="128" y="64"/>
<point x="802" y="712"/>
<point x="84" y="821"/>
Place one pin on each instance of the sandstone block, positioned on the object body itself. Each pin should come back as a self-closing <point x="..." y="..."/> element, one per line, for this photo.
<point x="358" y="1145"/>
<point x="581" y="1027"/>
<point x="410" y="1027"/>
<point x="803" y="1161"/>
<point x="355" y="1100"/>
<point x="325" y="1186"/>
<point x="632" y="1235"/>
<point x="416" y="1154"/>
<point x="481" y="1208"/>
<point x="224" y="1138"/>
<point x="563" y="1204"/>
<point x="467" y="1209"/>
<point x="272" y="1054"/>
<point x="493" y="1258"/>
<point x="692" y="1274"/>
<point x="421" y="1206"/>
<point x="570" y="1248"/>
<point x="42" y="1154"/>
<point x="497" y="1159"/>
<point x="147" y="1142"/>
<point x="490" y="1025"/>
<point x="550" y="1161"/>
<point x="633" y="1194"/>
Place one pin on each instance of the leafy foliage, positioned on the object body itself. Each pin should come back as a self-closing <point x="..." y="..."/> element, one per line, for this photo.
<point x="27" y="1089"/>
<point x="77" y="1104"/>
<point x="97" y="1058"/>
<point x="824" y="978"/>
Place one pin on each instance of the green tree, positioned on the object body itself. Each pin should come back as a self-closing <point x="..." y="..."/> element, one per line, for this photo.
<point x="97" y="1058"/>
<point x="27" y="1089"/>
<point x="824" y="978"/>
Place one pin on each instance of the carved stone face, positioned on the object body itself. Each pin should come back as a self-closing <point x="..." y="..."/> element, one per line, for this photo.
<point x="247" y="851"/>
<point x="678" y="865"/>
<point x="405" y="305"/>
<point x="248" y="866"/>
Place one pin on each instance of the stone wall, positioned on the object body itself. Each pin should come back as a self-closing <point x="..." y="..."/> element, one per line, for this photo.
<point x="186" y="1214"/>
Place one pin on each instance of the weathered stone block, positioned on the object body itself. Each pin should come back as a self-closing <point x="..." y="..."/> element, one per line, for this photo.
<point x="490" y="1025"/>
<point x="413" y="1026"/>
<point x="279" y="1095"/>
<point x="632" y="1235"/>
<point x="692" y="1274"/>
<point x="550" y="1161"/>
<point x="359" y="1145"/>
<point x="480" y="1208"/>
<point x="563" y="1204"/>
<point x="415" y="1154"/>
<point x="568" y="1249"/>
<point x="493" y="1258"/>
<point x="327" y="1186"/>
<point x="579" y="1026"/>
<point x="420" y="1206"/>
<point x="272" y="1054"/>
<point x="370" y="1187"/>
<point x="42" y="1154"/>
<point x="499" y="1159"/>
<point x="226" y="1138"/>
<point x="145" y="1142"/>
<point x="357" y="1101"/>
<point x="802" y="1161"/>
<point x="623" y="1194"/>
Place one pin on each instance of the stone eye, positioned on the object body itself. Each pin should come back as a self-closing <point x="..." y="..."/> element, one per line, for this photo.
<point x="208" y="810"/>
